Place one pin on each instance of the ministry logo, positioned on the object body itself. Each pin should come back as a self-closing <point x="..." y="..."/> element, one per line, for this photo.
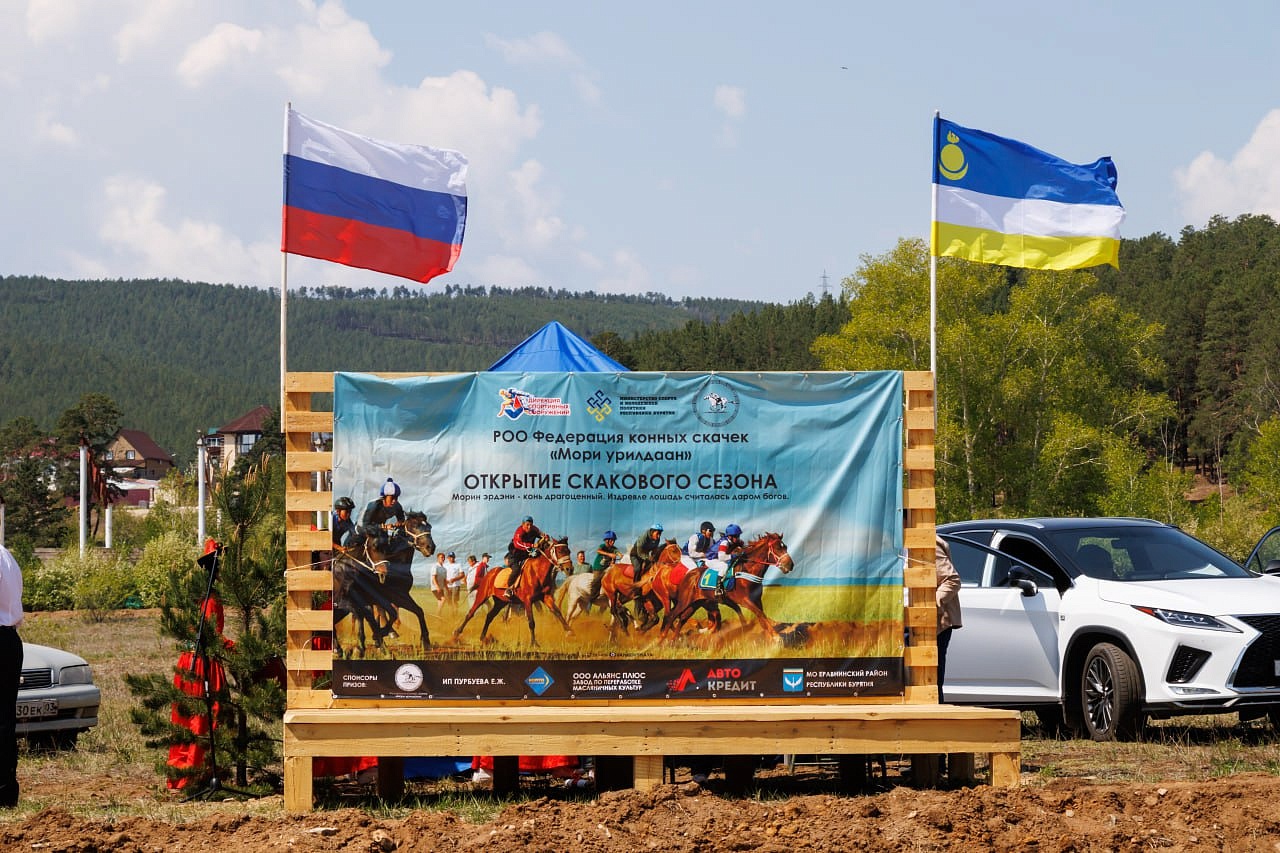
<point x="599" y="406"/>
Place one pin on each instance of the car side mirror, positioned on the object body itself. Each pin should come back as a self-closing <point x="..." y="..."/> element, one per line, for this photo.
<point x="1271" y="568"/>
<point x="1023" y="581"/>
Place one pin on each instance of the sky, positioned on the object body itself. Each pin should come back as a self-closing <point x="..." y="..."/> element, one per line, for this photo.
<point x="722" y="149"/>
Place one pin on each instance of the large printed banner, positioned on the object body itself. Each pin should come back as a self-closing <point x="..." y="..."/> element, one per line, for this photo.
<point x="807" y="465"/>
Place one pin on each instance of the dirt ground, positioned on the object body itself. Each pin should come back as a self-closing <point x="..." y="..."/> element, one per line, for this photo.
<point x="1207" y="784"/>
<point x="802" y="810"/>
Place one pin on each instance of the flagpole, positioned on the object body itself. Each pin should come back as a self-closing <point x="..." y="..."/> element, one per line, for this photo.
<point x="284" y="280"/>
<point x="933" y="272"/>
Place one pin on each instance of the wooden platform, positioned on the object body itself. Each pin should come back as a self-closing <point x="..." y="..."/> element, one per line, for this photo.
<point x="647" y="734"/>
<point x="629" y="739"/>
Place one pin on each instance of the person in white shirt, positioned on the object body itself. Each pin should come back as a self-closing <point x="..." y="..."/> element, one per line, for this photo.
<point x="455" y="578"/>
<point x="10" y="675"/>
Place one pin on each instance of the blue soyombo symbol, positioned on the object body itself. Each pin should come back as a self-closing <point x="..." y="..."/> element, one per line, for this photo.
<point x="793" y="681"/>
<point x="539" y="681"/>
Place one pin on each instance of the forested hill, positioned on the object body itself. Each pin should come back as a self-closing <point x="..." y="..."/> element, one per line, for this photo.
<point x="180" y="357"/>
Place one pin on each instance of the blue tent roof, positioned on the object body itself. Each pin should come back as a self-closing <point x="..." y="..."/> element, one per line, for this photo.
<point x="555" y="349"/>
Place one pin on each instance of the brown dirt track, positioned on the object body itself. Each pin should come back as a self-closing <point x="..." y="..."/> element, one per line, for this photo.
<point x="1234" y="813"/>
<point x="1208" y="784"/>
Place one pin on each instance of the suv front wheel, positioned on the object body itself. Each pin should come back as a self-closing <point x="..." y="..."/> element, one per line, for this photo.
<point x="1110" y="694"/>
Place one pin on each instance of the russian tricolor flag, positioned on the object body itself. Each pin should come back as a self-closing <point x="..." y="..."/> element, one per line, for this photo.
<point x="396" y="209"/>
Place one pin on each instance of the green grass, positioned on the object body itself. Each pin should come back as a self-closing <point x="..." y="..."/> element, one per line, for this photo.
<point x="876" y="633"/>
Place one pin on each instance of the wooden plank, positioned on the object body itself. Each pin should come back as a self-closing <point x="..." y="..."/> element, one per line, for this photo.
<point x="919" y="458"/>
<point x="308" y="422"/>
<point x="1005" y="769"/>
<point x="401" y="712"/>
<point x="300" y="501"/>
<point x="462" y="735"/>
<point x="920" y="576"/>
<point x="918" y="499"/>
<point x="917" y="380"/>
<point x="319" y="460"/>
<point x="921" y="656"/>
<point x="314" y="383"/>
<point x="297" y="783"/>
<point x="308" y="698"/>
<point x="298" y="659"/>
<point x="309" y="540"/>
<point x="918" y="419"/>
<point x="919" y="537"/>
<point x="309" y="580"/>
<point x="924" y="695"/>
<point x="921" y="616"/>
<point x="647" y="772"/>
<point x="309" y="620"/>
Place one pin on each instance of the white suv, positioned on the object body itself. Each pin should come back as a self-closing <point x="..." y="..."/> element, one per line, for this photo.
<point x="1102" y="623"/>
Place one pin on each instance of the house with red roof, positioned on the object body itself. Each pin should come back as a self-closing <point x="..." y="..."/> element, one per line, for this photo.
<point x="133" y="454"/>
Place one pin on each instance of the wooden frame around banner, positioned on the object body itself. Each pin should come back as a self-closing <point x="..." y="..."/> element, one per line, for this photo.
<point x="317" y="724"/>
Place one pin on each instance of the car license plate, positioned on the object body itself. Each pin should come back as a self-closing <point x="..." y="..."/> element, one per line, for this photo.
<point x="37" y="709"/>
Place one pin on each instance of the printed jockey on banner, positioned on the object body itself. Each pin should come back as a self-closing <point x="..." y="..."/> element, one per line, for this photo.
<point x="606" y="555"/>
<point x="721" y="557"/>
<point x="383" y="517"/>
<point x="520" y="549"/>
<point x="700" y="543"/>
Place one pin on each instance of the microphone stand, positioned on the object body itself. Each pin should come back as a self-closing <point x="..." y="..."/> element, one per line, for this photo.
<point x="200" y="657"/>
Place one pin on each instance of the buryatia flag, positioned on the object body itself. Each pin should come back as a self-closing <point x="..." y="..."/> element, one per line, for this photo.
<point x="396" y="209"/>
<point x="1000" y="201"/>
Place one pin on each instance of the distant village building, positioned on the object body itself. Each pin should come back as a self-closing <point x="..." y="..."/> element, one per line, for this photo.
<point x="229" y="442"/>
<point x="132" y="454"/>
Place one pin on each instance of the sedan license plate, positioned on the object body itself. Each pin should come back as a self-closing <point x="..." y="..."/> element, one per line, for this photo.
<point x="37" y="709"/>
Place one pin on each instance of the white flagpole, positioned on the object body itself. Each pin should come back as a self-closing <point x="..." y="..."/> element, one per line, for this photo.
<point x="933" y="273"/>
<point x="284" y="285"/>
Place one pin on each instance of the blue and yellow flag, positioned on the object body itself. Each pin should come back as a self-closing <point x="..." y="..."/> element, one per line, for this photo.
<point x="1000" y="201"/>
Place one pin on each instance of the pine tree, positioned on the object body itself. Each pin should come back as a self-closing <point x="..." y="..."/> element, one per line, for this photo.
<point x="249" y="583"/>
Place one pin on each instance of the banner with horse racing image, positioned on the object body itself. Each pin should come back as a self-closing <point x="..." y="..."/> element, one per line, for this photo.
<point x="648" y="536"/>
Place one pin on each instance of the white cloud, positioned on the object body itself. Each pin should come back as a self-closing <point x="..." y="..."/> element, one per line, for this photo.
<point x="547" y="49"/>
<point x="504" y="271"/>
<point x="228" y="44"/>
<point x="189" y="186"/>
<point x="731" y="100"/>
<point x="586" y="88"/>
<point x="153" y="25"/>
<point x="50" y="20"/>
<point x="1247" y="183"/>
<point x="48" y="129"/>
<point x="626" y="274"/>
<point x="542" y="48"/>
<point x="133" y="226"/>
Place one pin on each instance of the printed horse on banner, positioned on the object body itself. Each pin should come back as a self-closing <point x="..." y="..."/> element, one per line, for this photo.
<point x="367" y="577"/>
<point x="537" y="583"/>
<point x="747" y="590"/>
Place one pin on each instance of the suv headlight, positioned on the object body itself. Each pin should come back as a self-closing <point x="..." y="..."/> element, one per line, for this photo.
<point x="79" y="674"/>
<point x="1182" y="619"/>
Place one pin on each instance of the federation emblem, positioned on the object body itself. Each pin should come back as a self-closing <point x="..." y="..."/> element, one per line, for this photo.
<point x="793" y="681"/>
<point x="716" y="404"/>
<point x="409" y="677"/>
